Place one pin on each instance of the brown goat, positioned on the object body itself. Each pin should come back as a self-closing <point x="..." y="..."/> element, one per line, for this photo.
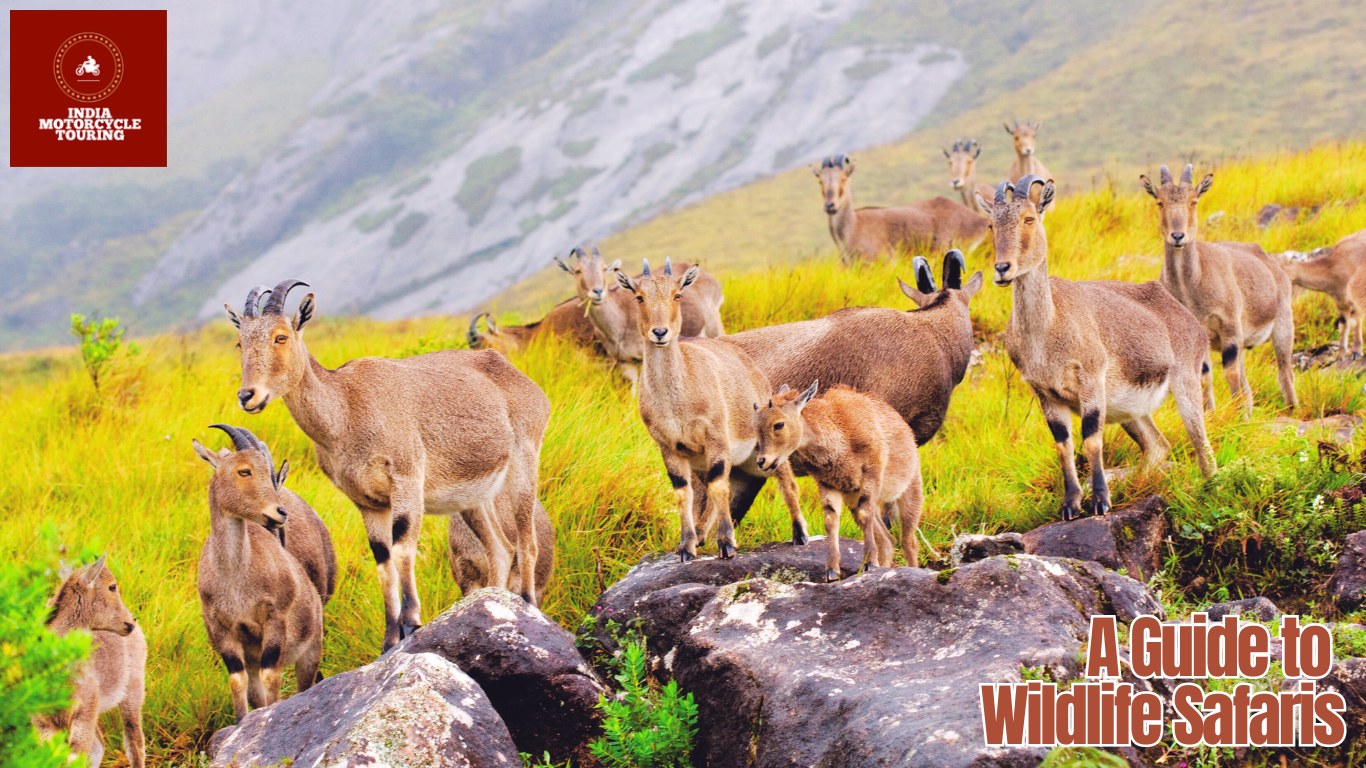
<point x="1236" y="290"/>
<point x="1331" y="272"/>
<point x="1108" y="351"/>
<point x="612" y="309"/>
<point x="861" y="455"/>
<point x="445" y="433"/>
<point x="115" y="673"/>
<point x="866" y="233"/>
<point x="261" y="597"/>
<point x="910" y="360"/>
<point x="564" y="319"/>
<point x="1026" y="161"/>
<point x="963" y="172"/>
<point x="697" y="399"/>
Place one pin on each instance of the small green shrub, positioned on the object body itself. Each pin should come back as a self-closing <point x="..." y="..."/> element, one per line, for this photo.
<point x="35" y="665"/>
<point x="101" y="343"/>
<point x="649" y="728"/>
<point x="1082" y="757"/>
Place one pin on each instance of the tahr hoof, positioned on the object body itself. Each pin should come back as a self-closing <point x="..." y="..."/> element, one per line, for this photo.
<point x="799" y="536"/>
<point x="685" y="556"/>
<point x="1102" y="508"/>
<point x="406" y="631"/>
<point x="1070" y="512"/>
<point x="725" y="549"/>
<point x="864" y="568"/>
<point x="529" y="598"/>
<point x="832" y="575"/>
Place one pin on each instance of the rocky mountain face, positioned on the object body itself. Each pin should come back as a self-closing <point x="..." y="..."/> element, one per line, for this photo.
<point x="488" y="137"/>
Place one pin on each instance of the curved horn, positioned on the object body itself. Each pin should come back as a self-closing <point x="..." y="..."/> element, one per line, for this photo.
<point x="1166" y="175"/>
<point x="1001" y="192"/>
<point x="924" y="279"/>
<point x="646" y="271"/>
<point x="595" y="251"/>
<point x="473" y="334"/>
<point x="954" y="267"/>
<point x="1026" y="181"/>
<point x="242" y="440"/>
<point x="253" y="307"/>
<point x="1186" y="173"/>
<point x="278" y="294"/>
<point x="668" y="266"/>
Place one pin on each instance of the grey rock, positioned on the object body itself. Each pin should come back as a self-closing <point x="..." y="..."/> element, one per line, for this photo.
<point x="1253" y="608"/>
<point x="1128" y="538"/>
<point x="971" y="547"/>
<point x="883" y="669"/>
<point x="1347" y="587"/>
<point x="405" y="710"/>
<point x="1348" y="677"/>
<point x="528" y="667"/>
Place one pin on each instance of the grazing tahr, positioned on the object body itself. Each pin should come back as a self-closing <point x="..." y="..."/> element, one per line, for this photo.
<point x="1332" y="271"/>
<point x="910" y="360"/>
<point x="115" y="673"/>
<point x="697" y="399"/>
<point x="963" y="172"/>
<point x="866" y="233"/>
<point x="455" y="433"/>
<point x="564" y="319"/>
<point x="861" y="455"/>
<point x="265" y="573"/>
<point x="613" y="310"/>
<point x="1236" y="290"/>
<point x="1107" y="351"/>
<point x="1026" y="160"/>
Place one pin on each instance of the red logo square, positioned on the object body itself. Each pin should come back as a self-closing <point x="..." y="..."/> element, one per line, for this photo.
<point x="87" y="89"/>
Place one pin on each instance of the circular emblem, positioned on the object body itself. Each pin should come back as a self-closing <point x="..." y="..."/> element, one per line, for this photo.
<point x="88" y="67"/>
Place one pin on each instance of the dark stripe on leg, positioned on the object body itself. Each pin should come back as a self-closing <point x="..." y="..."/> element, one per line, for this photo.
<point x="400" y="528"/>
<point x="1090" y="424"/>
<point x="1059" y="430"/>
<point x="715" y="471"/>
<point x="380" y="551"/>
<point x="270" y="656"/>
<point x="233" y="663"/>
<point x="677" y="481"/>
<point x="1204" y="368"/>
<point x="1230" y="355"/>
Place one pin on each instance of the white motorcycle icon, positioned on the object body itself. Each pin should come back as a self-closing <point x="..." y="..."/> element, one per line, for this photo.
<point x="90" y="67"/>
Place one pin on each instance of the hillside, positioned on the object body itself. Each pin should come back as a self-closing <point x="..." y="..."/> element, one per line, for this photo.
<point x="115" y="471"/>
<point x="420" y="156"/>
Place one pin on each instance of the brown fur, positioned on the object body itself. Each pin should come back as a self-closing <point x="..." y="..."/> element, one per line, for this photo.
<point x="1236" y="290"/>
<point x="115" y="673"/>
<point x="963" y="172"/>
<point x="861" y="455"/>
<point x="1107" y="351"/>
<point x="564" y="319"/>
<point x="910" y="360"/>
<point x="262" y="597"/>
<point x="612" y="309"/>
<point x="446" y="433"/>
<point x="1026" y="160"/>
<point x="1332" y="272"/>
<point x="696" y="399"/>
<point x="866" y="233"/>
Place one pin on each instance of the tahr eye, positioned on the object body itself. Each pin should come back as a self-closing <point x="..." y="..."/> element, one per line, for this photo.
<point x="113" y="587"/>
<point x="281" y="339"/>
<point x="244" y="472"/>
<point x="778" y="426"/>
<point x="640" y="299"/>
<point x="1029" y="219"/>
<point x="677" y="296"/>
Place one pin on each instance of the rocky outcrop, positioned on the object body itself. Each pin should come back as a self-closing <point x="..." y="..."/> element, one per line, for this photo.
<point x="971" y="547"/>
<point x="1128" y="538"/>
<point x="878" y="669"/>
<point x="1252" y="609"/>
<point x="404" y="711"/>
<point x="527" y="666"/>
<point x="1347" y="587"/>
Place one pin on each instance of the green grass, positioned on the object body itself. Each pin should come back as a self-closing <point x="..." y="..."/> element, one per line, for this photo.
<point x="116" y="471"/>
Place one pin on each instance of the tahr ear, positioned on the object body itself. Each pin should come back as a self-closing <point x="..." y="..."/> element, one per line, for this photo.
<point x="1148" y="186"/>
<point x="781" y="389"/>
<point x="93" y="572"/>
<point x="1045" y="201"/>
<point x="1205" y="184"/>
<point x="978" y="153"/>
<point x="563" y="265"/>
<point x="946" y="153"/>
<point x="689" y="277"/>
<point x="206" y="454"/>
<point x="281" y="474"/>
<point x="815" y="171"/>
<point x="919" y="298"/>
<point x="625" y="281"/>
<point x="849" y="166"/>
<point x="304" y="313"/>
<point x="808" y="394"/>
<point x="614" y="266"/>
<point x="982" y="204"/>
<point x="233" y="317"/>
<point x="973" y="285"/>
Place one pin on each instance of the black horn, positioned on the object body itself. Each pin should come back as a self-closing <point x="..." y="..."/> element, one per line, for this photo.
<point x="1001" y="192"/>
<point x="253" y="307"/>
<point x="278" y="294"/>
<point x="924" y="278"/>
<point x="242" y="440"/>
<point x="954" y="267"/>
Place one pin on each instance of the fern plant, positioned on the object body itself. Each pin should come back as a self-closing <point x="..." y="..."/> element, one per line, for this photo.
<point x="646" y="728"/>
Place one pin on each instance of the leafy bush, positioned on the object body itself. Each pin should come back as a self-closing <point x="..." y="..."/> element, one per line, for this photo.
<point x="648" y="729"/>
<point x="1082" y="757"/>
<point x="35" y="666"/>
<point x="101" y="343"/>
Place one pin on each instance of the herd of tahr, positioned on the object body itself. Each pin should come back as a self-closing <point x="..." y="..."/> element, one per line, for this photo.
<point x="845" y="399"/>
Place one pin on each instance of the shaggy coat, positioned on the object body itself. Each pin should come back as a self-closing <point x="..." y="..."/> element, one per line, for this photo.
<point x="612" y="309"/>
<point x="1107" y="351"/>
<point x="963" y="172"/>
<point x="265" y="573"/>
<point x="455" y="433"/>
<point x="697" y="399"/>
<point x="861" y="455"/>
<point x="910" y="360"/>
<point x="1236" y="290"/>
<point x="115" y="673"/>
<point x="866" y="233"/>
<point x="1337" y="272"/>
